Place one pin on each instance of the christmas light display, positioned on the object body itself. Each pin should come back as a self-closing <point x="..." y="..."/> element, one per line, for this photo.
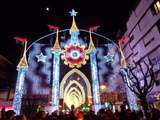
<point x="75" y="88"/>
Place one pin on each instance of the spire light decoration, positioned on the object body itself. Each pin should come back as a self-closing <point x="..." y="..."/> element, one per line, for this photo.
<point x="95" y="81"/>
<point x="130" y="95"/>
<point x="74" y="26"/>
<point x="56" y="64"/>
<point x="21" y="68"/>
<point x="74" y="53"/>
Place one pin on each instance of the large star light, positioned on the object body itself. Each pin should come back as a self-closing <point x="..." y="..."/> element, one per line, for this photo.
<point x="73" y="12"/>
<point x="109" y="57"/>
<point x="41" y="58"/>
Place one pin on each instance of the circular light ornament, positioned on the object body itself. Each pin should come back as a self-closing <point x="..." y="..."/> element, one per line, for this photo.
<point x="74" y="56"/>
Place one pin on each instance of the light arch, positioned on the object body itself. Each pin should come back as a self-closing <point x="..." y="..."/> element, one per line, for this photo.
<point x="73" y="99"/>
<point x="70" y="84"/>
<point x="78" y="93"/>
<point x="80" y="74"/>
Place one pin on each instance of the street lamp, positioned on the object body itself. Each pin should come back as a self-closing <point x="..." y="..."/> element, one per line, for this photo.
<point x="103" y="87"/>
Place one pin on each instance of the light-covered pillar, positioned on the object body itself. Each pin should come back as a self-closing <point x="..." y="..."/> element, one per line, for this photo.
<point x="21" y="68"/>
<point x="55" y="81"/>
<point x="94" y="74"/>
<point x="56" y="50"/>
<point x="131" y="97"/>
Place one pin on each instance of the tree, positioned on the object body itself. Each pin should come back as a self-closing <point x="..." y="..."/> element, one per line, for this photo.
<point x="140" y="79"/>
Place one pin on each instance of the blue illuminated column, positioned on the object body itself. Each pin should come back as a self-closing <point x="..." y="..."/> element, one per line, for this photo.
<point x="94" y="72"/>
<point x="17" y="101"/>
<point x="130" y="95"/>
<point x="56" y="73"/>
<point x="124" y="72"/>
<point x="95" y="82"/>
<point x="21" y="68"/>
<point x="55" y="82"/>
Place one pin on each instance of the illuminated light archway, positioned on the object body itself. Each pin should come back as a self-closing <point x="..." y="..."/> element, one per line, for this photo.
<point x="68" y="75"/>
<point x="73" y="99"/>
<point x="74" y="89"/>
<point x="78" y="84"/>
<point x="79" y="96"/>
<point x="75" y="94"/>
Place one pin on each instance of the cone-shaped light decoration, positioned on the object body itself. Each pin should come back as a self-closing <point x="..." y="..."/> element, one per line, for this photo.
<point x="23" y="62"/>
<point x="56" y="46"/>
<point x="123" y="60"/>
<point x="91" y="46"/>
<point x="74" y="27"/>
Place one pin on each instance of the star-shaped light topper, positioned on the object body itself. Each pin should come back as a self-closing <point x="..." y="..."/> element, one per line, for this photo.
<point x="41" y="58"/>
<point x="109" y="57"/>
<point x="73" y="12"/>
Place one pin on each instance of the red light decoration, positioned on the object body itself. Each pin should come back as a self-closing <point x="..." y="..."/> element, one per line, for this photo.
<point x="21" y="39"/>
<point x="123" y="40"/>
<point x="74" y="55"/>
<point x="93" y="28"/>
<point x="52" y="27"/>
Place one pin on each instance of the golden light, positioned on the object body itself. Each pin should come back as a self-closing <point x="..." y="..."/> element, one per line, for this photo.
<point x="103" y="87"/>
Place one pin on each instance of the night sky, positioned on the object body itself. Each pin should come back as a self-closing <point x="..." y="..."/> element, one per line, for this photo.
<point x="29" y="18"/>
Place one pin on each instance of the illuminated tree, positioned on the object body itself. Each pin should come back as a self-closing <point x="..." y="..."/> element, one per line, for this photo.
<point x="141" y="81"/>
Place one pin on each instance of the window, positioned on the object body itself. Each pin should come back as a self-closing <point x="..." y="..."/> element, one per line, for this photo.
<point x="147" y="43"/>
<point x="156" y="60"/>
<point x="158" y="25"/>
<point x="156" y="7"/>
<point x="157" y="82"/>
<point x="131" y="38"/>
<point x="135" y="54"/>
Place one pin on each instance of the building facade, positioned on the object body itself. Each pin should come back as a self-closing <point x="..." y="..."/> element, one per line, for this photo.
<point x="143" y="30"/>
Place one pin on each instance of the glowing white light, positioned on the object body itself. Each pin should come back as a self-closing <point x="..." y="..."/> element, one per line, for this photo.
<point x="114" y="108"/>
<point x="75" y="54"/>
<point x="73" y="99"/>
<point x="47" y="8"/>
<point x="77" y="92"/>
<point x="73" y="12"/>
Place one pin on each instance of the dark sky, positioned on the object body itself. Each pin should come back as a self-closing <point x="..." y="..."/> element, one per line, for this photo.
<point x="28" y="18"/>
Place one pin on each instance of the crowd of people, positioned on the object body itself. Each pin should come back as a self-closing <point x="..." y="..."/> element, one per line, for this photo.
<point x="102" y="114"/>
